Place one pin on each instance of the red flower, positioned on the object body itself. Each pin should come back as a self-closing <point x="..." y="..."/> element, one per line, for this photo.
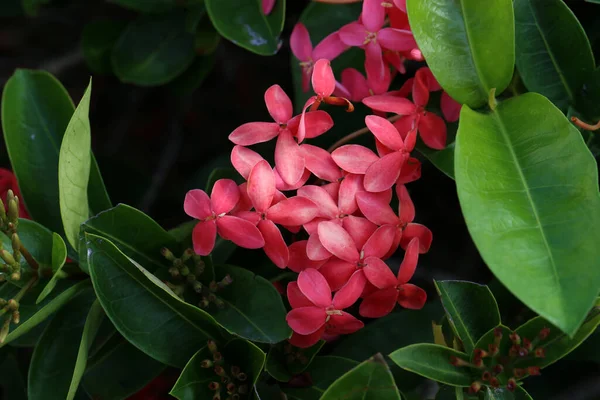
<point x="396" y="289"/>
<point x="212" y="213"/>
<point x="267" y="6"/>
<point x="315" y="312"/>
<point x="356" y="87"/>
<point x="8" y="181"/>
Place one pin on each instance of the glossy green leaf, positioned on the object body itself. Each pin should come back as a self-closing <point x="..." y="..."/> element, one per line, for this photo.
<point x="284" y="360"/>
<point x="505" y="394"/>
<point x="59" y="256"/>
<point x="34" y="314"/>
<point x="193" y="77"/>
<point x="92" y="325"/>
<point x="504" y="344"/>
<point x="74" y="163"/>
<point x="54" y="358"/>
<point x="433" y="362"/>
<point x="553" y="53"/>
<point x="133" y="232"/>
<point x="322" y="372"/>
<point x="97" y="41"/>
<point x="119" y="371"/>
<point x="371" y="379"/>
<point x="471" y="309"/>
<point x="143" y="309"/>
<point x="243" y="23"/>
<point x="534" y="224"/>
<point x="194" y="380"/>
<point x="253" y="307"/>
<point x="153" y="50"/>
<point x="470" y="47"/>
<point x="12" y="382"/>
<point x="36" y="110"/>
<point x="557" y="345"/>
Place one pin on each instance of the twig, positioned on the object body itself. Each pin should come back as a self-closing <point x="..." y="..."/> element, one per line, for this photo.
<point x="350" y="137"/>
<point x="30" y="260"/>
<point x="585" y="125"/>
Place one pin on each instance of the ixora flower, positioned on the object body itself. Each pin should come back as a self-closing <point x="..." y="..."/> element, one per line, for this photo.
<point x="212" y="212"/>
<point x="314" y="311"/>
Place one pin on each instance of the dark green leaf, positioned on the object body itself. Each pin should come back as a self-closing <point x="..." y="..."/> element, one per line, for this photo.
<point x="153" y="50"/>
<point x="323" y="372"/>
<point x="504" y="343"/>
<point x="284" y="360"/>
<point x="554" y="56"/>
<point x="59" y="256"/>
<point x="12" y="382"/>
<point x="461" y="35"/>
<point x="34" y="314"/>
<point x="534" y="224"/>
<point x="433" y="362"/>
<point x="557" y="345"/>
<point x="194" y="380"/>
<point x="370" y="380"/>
<point x="243" y="23"/>
<point x="54" y="357"/>
<point x="133" y="232"/>
<point x="471" y="310"/>
<point x="143" y="309"/>
<point x="190" y="80"/>
<point x="97" y="41"/>
<point x="588" y="350"/>
<point x="31" y="7"/>
<point x="36" y="110"/>
<point x="253" y="307"/>
<point x="149" y="6"/>
<point x="119" y="371"/>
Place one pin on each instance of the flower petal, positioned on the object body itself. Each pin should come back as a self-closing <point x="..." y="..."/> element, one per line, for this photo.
<point x="355" y="83"/>
<point x="379" y="303"/>
<point x="279" y="104"/>
<point x="450" y="107"/>
<point x="306" y="320"/>
<point x="330" y="47"/>
<point x="412" y="297"/>
<point x="323" y="81"/>
<point x="204" y="236"/>
<point x="281" y="185"/>
<point x="433" y="131"/>
<point x="359" y="228"/>
<point x="409" y="263"/>
<point x="378" y="273"/>
<point x="275" y="247"/>
<point x="396" y="39"/>
<point x="295" y="296"/>
<point x="354" y="158"/>
<point x="353" y="34"/>
<point x="240" y="231"/>
<point x="224" y="196"/>
<point x="337" y="272"/>
<point x="374" y="64"/>
<point x="420" y="91"/>
<point x="393" y="104"/>
<point x="300" y="43"/>
<point x="385" y="132"/>
<point x="417" y="231"/>
<point x="299" y="260"/>
<point x="344" y="324"/>
<point x="315" y="250"/>
<point x="293" y="211"/>
<point x="316" y="123"/>
<point x="327" y="207"/>
<point x="401" y="4"/>
<point x="337" y="241"/>
<point x="288" y="158"/>
<point x="406" y="124"/>
<point x="261" y="186"/>
<point x="254" y="132"/>
<point x="373" y="15"/>
<point x="267" y="6"/>
<point x="315" y="287"/>
<point x="384" y="173"/>
<point x="244" y="159"/>
<point x="380" y="241"/>
<point x="306" y="341"/>
<point x="411" y="171"/>
<point x="197" y="204"/>
<point x="406" y="207"/>
<point x="375" y="208"/>
<point x="319" y="162"/>
<point x="351" y="291"/>
<point x="351" y="185"/>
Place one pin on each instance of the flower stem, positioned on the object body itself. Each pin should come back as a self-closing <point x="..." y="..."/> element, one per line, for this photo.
<point x="30" y="260"/>
<point x="350" y="137"/>
<point x="585" y="125"/>
<point x="25" y="288"/>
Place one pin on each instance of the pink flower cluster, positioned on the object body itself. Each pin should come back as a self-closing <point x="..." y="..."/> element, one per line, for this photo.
<point x="345" y="214"/>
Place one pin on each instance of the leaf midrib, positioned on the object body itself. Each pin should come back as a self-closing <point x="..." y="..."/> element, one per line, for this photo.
<point x="471" y="341"/>
<point x="485" y="87"/>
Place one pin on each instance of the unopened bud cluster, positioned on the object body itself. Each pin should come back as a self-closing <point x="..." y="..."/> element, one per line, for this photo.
<point x="186" y="276"/>
<point x="230" y="380"/>
<point x="10" y="268"/>
<point x="498" y="369"/>
<point x="10" y="313"/>
<point x="9" y="213"/>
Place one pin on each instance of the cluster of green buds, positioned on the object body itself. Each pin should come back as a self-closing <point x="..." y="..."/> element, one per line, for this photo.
<point x="184" y="276"/>
<point x="9" y="214"/>
<point x="11" y="268"/>
<point x="498" y="369"/>
<point x="10" y="313"/>
<point x="228" y="378"/>
<point x="294" y="354"/>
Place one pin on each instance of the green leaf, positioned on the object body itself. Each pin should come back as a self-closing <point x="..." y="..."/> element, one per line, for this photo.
<point x="54" y="358"/>
<point x="34" y="314"/>
<point x="31" y="7"/>
<point x="12" y="382"/>
<point x="36" y="110"/>
<point x="505" y="394"/>
<point x="133" y="232"/>
<point x="557" y="345"/>
<point x="589" y="350"/>
<point x="119" y="371"/>
<point x="92" y="325"/>
<point x="433" y="362"/>
<point x="194" y="380"/>
<point x="59" y="256"/>
<point x="471" y="310"/>
<point x="97" y="41"/>
<point x="253" y="307"/>
<point x="143" y="309"/>
<point x="153" y="50"/>
<point x="533" y="223"/>
<point x="322" y="373"/>
<point x="371" y="379"/>
<point x="460" y="35"/>
<point x="554" y="56"/>
<point x="284" y="360"/>
<point x="74" y="169"/>
<point x="147" y="6"/>
<point x="193" y="77"/>
<point x="243" y="23"/>
<point x="504" y="343"/>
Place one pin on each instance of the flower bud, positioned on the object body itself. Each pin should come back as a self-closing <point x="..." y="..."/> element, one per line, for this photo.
<point x="475" y="387"/>
<point x="174" y="272"/>
<point x="197" y="286"/>
<point x="13" y="305"/>
<point x="243" y="389"/>
<point x="494" y="382"/>
<point x="191" y="278"/>
<point x="511" y="385"/>
<point x="241" y="377"/>
<point x="478" y="362"/>
<point x="518" y="373"/>
<point x="498" y="369"/>
<point x="206" y="364"/>
<point x="16" y="317"/>
<point x="213" y="286"/>
<point x="185" y="271"/>
<point x="458" y="362"/>
<point x="13" y="211"/>
<point x="15" y="276"/>
<point x="544" y="333"/>
<point x="225" y="281"/>
<point x="187" y="254"/>
<point x="540" y="352"/>
<point x="515" y="338"/>
<point x="167" y="254"/>
<point x="493" y="349"/>
<point x="7" y="257"/>
<point x="217" y="356"/>
<point x="16" y="242"/>
<point x="204" y="303"/>
<point x="2" y="212"/>
<point x="486" y="376"/>
<point x="480" y="353"/>
<point x="231" y="388"/>
<point x="533" y="371"/>
<point x="523" y="352"/>
<point x="235" y="396"/>
<point x="527" y="343"/>
<point x="219" y="303"/>
<point x="217" y="396"/>
<point x="212" y="346"/>
<point x="214" y="386"/>
<point x="514" y="350"/>
<point x="220" y="371"/>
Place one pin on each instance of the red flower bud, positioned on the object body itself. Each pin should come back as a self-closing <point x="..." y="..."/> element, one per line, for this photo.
<point x="494" y="382"/>
<point x="527" y="344"/>
<point x="498" y="369"/>
<point x="480" y="353"/>
<point x="493" y="349"/>
<point x="540" y="352"/>
<point x="523" y="352"/>
<point x="543" y="335"/>
<point x="475" y="387"/>
<point x="486" y="376"/>
<point x="511" y="385"/>
<point x="515" y="338"/>
<point x="518" y="373"/>
<point x="214" y="386"/>
<point x="533" y="371"/>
